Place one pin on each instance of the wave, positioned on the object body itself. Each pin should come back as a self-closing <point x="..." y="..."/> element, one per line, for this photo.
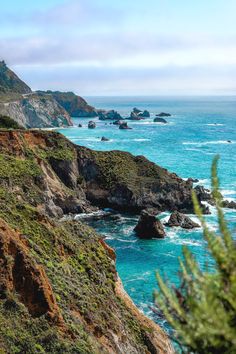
<point x="215" y="124"/>
<point x="213" y="142"/>
<point x="199" y="150"/>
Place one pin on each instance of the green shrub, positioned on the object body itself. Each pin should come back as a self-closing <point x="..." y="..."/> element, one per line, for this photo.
<point x="202" y="311"/>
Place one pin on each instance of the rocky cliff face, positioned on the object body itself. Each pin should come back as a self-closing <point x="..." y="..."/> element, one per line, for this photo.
<point x="59" y="290"/>
<point x="36" y="111"/>
<point x="75" y="105"/>
<point x="28" y="109"/>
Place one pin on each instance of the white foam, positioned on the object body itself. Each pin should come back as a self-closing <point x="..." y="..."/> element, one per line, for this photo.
<point x="213" y="142"/>
<point x="215" y="124"/>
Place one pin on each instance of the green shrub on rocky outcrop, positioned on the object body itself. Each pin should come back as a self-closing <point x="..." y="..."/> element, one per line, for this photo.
<point x="202" y="311"/>
<point x="8" y="123"/>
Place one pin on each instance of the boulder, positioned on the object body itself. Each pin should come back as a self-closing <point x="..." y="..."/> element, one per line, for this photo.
<point x="159" y="120"/>
<point x="163" y="114"/>
<point x="231" y="204"/>
<point x="124" y="125"/>
<point x="79" y="125"/>
<point x="91" y="124"/>
<point x="179" y="219"/>
<point x="104" y="139"/>
<point x="149" y="226"/>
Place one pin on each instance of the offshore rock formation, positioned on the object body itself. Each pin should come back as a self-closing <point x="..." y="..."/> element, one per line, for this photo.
<point x="75" y="106"/>
<point x="59" y="290"/>
<point x="109" y="115"/>
<point x="149" y="227"/>
<point x="179" y="219"/>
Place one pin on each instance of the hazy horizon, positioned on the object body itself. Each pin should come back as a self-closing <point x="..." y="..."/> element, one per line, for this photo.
<point x="122" y="48"/>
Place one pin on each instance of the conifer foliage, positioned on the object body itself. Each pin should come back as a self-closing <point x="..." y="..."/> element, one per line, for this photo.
<point x="202" y="311"/>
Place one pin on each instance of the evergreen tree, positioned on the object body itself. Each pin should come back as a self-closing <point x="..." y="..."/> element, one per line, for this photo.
<point x="202" y="311"/>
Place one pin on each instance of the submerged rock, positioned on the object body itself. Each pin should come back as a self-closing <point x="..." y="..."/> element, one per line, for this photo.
<point x="179" y="219"/>
<point x="159" y="120"/>
<point x="104" y="139"/>
<point x="163" y="114"/>
<point x="91" y="124"/>
<point x="149" y="226"/>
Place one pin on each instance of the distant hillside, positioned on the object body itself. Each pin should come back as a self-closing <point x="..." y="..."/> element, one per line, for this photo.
<point x="10" y="82"/>
<point x="75" y="105"/>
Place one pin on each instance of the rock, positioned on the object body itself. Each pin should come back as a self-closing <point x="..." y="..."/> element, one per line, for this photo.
<point x="159" y="120"/>
<point x="124" y="125"/>
<point x="149" y="227"/>
<point x="231" y="204"/>
<point x="104" y="139"/>
<point x="118" y="122"/>
<point x="229" y="141"/>
<point x="135" y="116"/>
<point x="136" y="110"/>
<point x="91" y="124"/>
<point x="163" y="114"/>
<point x="80" y="126"/>
<point x="193" y="180"/>
<point x="179" y="219"/>
<point x="203" y="194"/>
<point x="21" y="274"/>
<point x="144" y="114"/>
<point x="109" y="115"/>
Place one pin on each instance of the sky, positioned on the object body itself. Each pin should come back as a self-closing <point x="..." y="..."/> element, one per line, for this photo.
<point x="122" y="47"/>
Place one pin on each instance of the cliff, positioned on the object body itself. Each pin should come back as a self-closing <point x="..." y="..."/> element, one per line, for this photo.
<point x="26" y="108"/>
<point x="59" y="290"/>
<point x="36" y="111"/>
<point x="75" y="105"/>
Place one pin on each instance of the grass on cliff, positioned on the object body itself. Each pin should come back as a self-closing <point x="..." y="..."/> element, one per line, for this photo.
<point x="203" y="310"/>
<point x="82" y="278"/>
<point x="8" y="123"/>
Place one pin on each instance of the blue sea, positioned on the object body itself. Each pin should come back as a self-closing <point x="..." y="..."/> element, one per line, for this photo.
<point x="198" y="129"/>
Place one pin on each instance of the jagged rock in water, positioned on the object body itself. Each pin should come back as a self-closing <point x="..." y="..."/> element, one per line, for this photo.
<point x="179" y="219"/>
<point x="109" y="115"/>
<point x="144" y="114"/>
<point x="91" y="124"/>
<point x="149" y="226"/>
<point x="104" y="139"/>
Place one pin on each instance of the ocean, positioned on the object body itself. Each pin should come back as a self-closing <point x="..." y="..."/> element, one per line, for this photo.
<point x="198" y="129"/>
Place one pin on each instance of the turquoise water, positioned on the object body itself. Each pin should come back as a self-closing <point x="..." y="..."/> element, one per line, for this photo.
<point x="198" y="129"/>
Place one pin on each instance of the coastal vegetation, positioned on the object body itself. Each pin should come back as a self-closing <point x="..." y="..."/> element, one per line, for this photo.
<point x="202" y="310"/>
